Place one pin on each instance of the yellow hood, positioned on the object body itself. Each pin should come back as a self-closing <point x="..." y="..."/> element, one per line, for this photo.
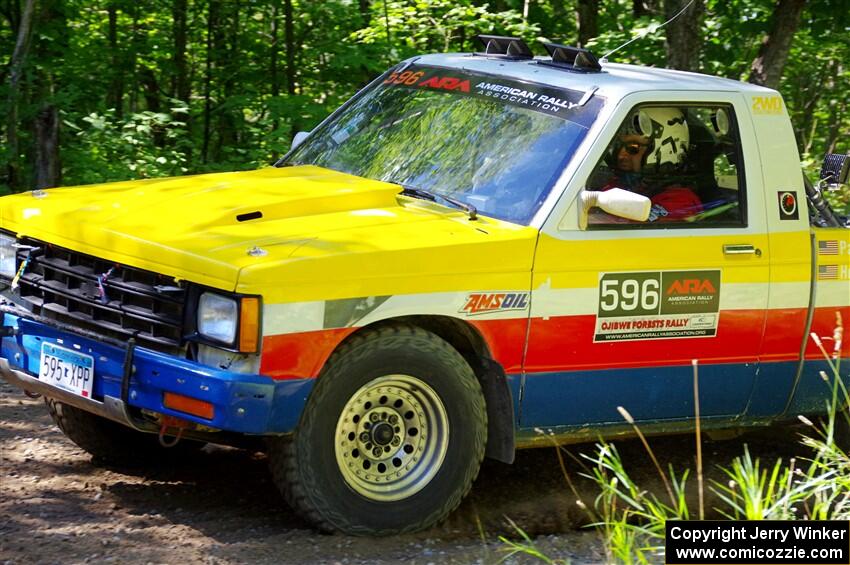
<point x="207" y="228"/>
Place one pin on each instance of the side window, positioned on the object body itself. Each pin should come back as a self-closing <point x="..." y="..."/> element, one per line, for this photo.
<point x="686" y="159"/>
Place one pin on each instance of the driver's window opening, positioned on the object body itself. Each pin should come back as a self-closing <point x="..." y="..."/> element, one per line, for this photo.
<point x="686" y="159"/>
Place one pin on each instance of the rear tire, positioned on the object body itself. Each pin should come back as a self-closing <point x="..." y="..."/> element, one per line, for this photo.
<point x="110" y="442"/>
<point x="391" y="438"/>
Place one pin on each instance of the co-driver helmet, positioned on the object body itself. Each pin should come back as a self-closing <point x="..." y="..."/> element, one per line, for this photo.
<point x="668" y="136"/>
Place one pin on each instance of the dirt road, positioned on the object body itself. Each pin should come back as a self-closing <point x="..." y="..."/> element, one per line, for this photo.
<point x="56" y="506"/>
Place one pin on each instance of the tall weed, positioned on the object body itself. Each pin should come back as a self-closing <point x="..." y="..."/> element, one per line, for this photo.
<point x="631" y="520"/>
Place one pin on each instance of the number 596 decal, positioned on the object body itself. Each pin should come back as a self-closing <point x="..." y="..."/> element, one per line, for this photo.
<point x="638" y="295"/>
<point x="657" y="305"/>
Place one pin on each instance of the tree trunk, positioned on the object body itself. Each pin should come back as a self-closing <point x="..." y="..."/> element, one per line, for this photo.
<point x="12" y="12"/>
<point x="180" y="81"/>
<point x="19" y="56"/>
<point x="811" y="91"/>
<point x="115" y="95"/>
<point x="212" y="23"/>
<point x="767" y="67"/>
<point x="48" y="170"/>
<point x="684" y="36"/>
<point x="836" y="112"/>
<point x="181" y="86"/>
<point x="228" y="59"/>
<point x="365" y="16"/>
<point x="559" y="12"/>
<point x="274" y="52"/>
<point x="289" y="45"/>
<point x="46" y="165"/>
<point x="150" y="89"/>
<point x="131" y="61"/>
<point x="588" y="27"/>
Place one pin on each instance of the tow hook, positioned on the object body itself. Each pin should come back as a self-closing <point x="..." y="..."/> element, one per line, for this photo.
<point x="32" y="394"/>
<point x="8" y="331"/>
<point x="171" y="422"/>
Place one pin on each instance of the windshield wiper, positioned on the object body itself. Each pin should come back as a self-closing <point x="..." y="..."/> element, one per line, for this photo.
<point x="434" y="197"/>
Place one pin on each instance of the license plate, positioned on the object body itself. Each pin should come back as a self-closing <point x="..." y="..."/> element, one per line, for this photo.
<point x="67" y="369"/>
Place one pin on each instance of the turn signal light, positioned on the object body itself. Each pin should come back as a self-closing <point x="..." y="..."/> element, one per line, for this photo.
<point x="188" y="405"/>
<point x="249" y="325"/>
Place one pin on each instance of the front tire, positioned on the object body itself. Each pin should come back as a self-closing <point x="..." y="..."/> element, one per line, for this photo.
<point x="391" y="438"/>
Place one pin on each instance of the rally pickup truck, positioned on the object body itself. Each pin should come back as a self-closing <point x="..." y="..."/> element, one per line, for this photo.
<point x="478" y="252"/>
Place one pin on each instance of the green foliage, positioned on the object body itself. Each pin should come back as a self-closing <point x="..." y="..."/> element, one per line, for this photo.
<point x="248" y="92"/>
<point x="107" y="148"/>
<point x="428" y="26"/>
<point x="631" y="520"/>
<point x="754" y="494"/>
<point x="525" y="547"/>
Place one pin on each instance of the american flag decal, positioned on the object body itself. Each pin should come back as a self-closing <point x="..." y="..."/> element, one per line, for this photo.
<point x="827" y="272"/>
<point x="828" y="247"/>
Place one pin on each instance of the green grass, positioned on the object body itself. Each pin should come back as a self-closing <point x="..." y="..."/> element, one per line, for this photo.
<point x="631" y="520"/>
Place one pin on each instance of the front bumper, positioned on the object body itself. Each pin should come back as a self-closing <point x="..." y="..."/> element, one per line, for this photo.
<point x="243" y="403"/>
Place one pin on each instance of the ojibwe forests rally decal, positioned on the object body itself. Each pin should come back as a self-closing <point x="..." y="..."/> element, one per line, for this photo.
<point x="657" y="305"/>
<point x="553" y="101"/>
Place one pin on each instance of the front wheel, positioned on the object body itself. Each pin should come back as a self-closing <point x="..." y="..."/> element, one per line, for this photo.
<point x="391" y="438"/>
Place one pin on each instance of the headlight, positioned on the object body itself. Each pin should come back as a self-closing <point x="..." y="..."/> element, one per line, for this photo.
<point x="8" y="251"/>
<point x="217" y="317"/>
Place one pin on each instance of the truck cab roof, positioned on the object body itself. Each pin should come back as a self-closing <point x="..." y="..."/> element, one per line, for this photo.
<point x="614" y="81"/>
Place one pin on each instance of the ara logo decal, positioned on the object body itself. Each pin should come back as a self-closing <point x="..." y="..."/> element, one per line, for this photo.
<point x="691" y="286"/>
<point x="446" y="83"/>
<point x="788" y="209"/>
<point x="483" y="302"/>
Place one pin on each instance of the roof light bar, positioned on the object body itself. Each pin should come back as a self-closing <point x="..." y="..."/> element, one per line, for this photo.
<point x="507" y="47"/>
<point x="571" y="58"/>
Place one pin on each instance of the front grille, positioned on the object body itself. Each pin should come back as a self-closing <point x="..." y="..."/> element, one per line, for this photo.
<point x="63" y="285"/>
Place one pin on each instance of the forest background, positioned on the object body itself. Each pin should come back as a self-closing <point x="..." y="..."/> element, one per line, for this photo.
<point x="102" y="90"/>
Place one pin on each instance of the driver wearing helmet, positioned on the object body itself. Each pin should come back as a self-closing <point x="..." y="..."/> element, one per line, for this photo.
<point x="646" y="156"/>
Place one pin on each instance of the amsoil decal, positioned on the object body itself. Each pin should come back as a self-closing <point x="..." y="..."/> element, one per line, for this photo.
<point x="483" y="302"/>
<point x="788" y="205"/>
<point x="541" y="98"/>
<point x="657" y="305"/>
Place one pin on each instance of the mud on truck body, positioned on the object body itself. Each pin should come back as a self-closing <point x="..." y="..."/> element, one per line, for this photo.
<point x="435" y="274"/>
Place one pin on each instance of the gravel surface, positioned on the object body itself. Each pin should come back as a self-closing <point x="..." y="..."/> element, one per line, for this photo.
<point x="57" y="506"/>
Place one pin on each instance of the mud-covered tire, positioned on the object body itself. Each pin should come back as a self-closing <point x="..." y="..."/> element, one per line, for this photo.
<point x="111" y="443"/>
<point x="425" y="439"/>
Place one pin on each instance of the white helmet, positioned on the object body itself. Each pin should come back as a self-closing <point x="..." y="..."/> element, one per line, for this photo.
<point x="668" y="134"/>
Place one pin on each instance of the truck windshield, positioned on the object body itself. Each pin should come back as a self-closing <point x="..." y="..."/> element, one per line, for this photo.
<point x="494" y="143"/>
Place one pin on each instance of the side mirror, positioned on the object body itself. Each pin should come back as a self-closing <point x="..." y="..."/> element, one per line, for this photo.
<point x="299" y="137"/>
<point x="617" y="202"/>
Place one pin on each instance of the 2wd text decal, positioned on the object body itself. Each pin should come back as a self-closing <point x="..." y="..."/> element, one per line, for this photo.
<point x="657" y="305"/>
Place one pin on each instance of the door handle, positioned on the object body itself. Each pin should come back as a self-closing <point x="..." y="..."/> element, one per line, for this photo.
<point x="741" y="249"/>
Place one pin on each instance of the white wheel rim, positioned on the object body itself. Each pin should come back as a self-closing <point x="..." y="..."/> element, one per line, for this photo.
<point x="391" y="438"/>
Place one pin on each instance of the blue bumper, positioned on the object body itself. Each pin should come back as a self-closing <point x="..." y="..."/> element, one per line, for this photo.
<point x="243" y="403"/>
